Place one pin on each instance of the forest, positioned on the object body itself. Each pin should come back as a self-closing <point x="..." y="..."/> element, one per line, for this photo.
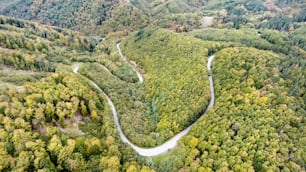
<point x="101" y="17"/>
<point x="158" y="104"/>
<point x="54" y="118"/>
<point x="51" y="119"/>
<point x="255" y="124"/>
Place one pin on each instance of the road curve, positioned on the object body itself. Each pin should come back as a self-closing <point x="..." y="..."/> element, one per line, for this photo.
<point x="170" y="144"/>
<point x="140" y="78"/>
<point x="105" y="68"/>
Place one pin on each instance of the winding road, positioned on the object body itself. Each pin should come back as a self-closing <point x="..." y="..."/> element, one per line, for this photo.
<point x="170" y="144"/>
<point x="140" y="78"/>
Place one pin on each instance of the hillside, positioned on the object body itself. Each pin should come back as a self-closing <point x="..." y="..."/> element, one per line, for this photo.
<point x="38" y="49"/>
<point x="67" y="14"/>
<point x="103" y="17"/>
<point x="168" y="90"/>
<point x="52" y="119"/>
<point x="255" y="124"/>
<point x="86" y="16"/>
<point x="161" y="7"/>
<point x="153" y="85"/>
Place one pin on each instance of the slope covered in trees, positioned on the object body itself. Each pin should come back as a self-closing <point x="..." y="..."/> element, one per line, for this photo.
<point x="59" y="124"/>
<point x="92" y="17"/>
<point x="102" y="17"/>
<point x="51" y="119"/>
<point x="298" y="38"/>
<point x="175" y="92"/>
<point x="261" y="39"/>
<point x="67" y="14"/>
<point x="175" y="76"/>
<point x="255" y="124"/>
<point x="30" y="51"/>
<point x="161" y="7"/>
<point x="30" y="46"/>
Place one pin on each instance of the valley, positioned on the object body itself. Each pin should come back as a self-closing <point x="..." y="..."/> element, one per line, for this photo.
<point x="150" y="86"/>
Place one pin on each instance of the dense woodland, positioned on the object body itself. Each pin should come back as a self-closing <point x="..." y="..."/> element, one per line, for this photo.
<point x="103" y="17"/>
<point x="177" y="90"/>
<point x="59" y="123"/>
<point x="164" y="107"/>
<point x="29" y="46"/>
<point x="255" y="124"/>
<point x="92" y="17"/>
<point x="52" y="119"/>
<point x="67" y="14"/>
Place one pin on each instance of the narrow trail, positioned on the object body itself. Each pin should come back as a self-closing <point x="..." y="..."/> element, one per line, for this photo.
<point x="140" y="78"/>
<point x="171" y="143"/>
<point x="105" y="68"/>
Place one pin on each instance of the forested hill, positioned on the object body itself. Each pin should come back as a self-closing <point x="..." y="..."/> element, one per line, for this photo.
<point x="97" y="16"/>
<point x="67" y="86"/>
<point x="102" y="16"/>
<point x="50" y="118"/>
<point x="40" y="47"/>
<point x="255" y="125"/>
